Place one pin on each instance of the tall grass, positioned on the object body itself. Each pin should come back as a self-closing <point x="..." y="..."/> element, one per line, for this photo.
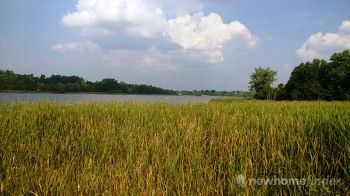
<point x="164" y="149"/>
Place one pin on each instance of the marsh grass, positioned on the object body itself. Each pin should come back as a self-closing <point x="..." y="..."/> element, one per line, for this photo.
<point x="165" y="149"/>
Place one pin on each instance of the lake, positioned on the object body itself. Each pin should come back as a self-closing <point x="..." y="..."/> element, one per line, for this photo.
<point x="71" y="97"/>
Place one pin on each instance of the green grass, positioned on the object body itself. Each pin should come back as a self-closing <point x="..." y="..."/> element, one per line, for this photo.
<point x="166" y="149"/>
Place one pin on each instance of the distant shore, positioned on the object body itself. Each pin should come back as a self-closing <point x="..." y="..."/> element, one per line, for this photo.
<point x="97" y="93"/>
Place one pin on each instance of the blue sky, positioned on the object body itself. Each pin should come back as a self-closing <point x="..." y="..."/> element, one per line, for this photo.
<point x="179" y="44"/>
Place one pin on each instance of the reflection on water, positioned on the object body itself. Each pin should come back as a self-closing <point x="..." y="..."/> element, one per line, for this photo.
<point x="8" y="97"/>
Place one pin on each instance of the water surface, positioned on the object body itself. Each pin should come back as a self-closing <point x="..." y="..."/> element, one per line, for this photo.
<point x="71" y="97"/>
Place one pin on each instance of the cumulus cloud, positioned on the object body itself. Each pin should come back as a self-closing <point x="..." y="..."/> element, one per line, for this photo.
<point x="345" y="26"/>
<point x="135" y="17"/>
<point x="322" y="45"/>
<point x="198" y="35"/>
<point x="207" y="34"/>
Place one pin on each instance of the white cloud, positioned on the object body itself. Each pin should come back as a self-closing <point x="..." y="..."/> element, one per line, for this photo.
<point x="84" y="47"/>
<point x="135" y="17"/>
<point x="207" y="34"/>
<point x="322" y="45"/>
<point x="345" y="26"/>
<point x="201" y="37"/>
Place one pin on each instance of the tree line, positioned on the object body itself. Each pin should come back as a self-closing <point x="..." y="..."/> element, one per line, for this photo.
<point x="315" y="80"/>
<point x="216" y="93"/>
<point x="10" y="81"/>
<point x="57" y="83"/>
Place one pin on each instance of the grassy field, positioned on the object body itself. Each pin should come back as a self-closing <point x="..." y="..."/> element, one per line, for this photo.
<point x="166" y="149"/>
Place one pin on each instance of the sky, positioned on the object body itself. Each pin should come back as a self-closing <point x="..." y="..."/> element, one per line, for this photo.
<point x="176" y="44"/>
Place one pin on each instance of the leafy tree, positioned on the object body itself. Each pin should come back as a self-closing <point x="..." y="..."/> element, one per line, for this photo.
<point x="261" y="82"/>
<point x="335" y="77"/>
<point x="279" y="93"/>
<point x="57" y="83"/>
<point x="320" y="79"/>
<point x="304" y="82"/>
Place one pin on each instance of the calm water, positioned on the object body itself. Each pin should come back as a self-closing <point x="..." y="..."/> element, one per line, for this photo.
<point x="8" y="97"/>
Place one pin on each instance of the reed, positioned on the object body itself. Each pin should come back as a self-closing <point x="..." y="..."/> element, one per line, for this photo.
<point x="168" y="149"/>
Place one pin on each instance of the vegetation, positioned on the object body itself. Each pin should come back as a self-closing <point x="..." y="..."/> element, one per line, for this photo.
<point x="165" y="149"/>
<point x="321" y="80"/>
<point x="316" y="80"/>
<point x="58" y="83"/>
<point x="261" y="82"/>
<point x="217" y="93"/>
<point x="9" y="81"/>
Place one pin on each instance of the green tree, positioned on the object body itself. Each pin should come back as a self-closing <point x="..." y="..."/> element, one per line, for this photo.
<point x="57" y="83"/>
<point x="304" y="82"/>
<point x="335" y="77"/>
<point x="320" y="79"/>
<point x="279" y="93"/>
<point x="261" y="81"/>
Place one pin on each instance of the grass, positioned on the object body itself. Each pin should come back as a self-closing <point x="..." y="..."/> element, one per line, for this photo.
<point x="165" y="149"/>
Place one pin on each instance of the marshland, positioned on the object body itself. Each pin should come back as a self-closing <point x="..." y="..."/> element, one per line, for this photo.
<point x="176" y="97"/>
<point x="51" y="148"/>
